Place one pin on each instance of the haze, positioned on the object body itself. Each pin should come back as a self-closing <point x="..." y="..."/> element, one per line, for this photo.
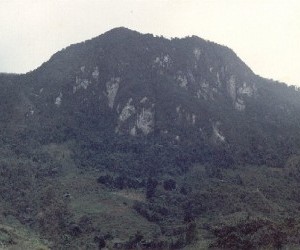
<point x="264" y="33"/>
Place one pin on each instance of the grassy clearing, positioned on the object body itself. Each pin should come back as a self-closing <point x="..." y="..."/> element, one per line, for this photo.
<point x="12" y="238"/>
<point x="110" y="210"/>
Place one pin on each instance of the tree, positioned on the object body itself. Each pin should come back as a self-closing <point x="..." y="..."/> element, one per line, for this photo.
<point x="169" y="185"/>
<point x="151" y="187"/>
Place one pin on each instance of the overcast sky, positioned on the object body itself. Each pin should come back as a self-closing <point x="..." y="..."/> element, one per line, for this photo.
<point x="264" y="33"/>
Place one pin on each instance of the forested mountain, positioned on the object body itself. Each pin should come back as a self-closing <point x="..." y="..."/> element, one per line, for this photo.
<point x="167" y="134"/>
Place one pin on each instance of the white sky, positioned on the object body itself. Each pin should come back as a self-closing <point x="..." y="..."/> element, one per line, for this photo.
<point x="264" y="33"/>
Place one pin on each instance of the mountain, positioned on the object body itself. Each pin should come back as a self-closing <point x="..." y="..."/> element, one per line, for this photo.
<point x="187" y="92"/>
<point x="141" y="113"/>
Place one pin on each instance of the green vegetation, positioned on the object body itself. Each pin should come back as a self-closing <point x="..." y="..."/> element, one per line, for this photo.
<point x="238" y="207"/>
